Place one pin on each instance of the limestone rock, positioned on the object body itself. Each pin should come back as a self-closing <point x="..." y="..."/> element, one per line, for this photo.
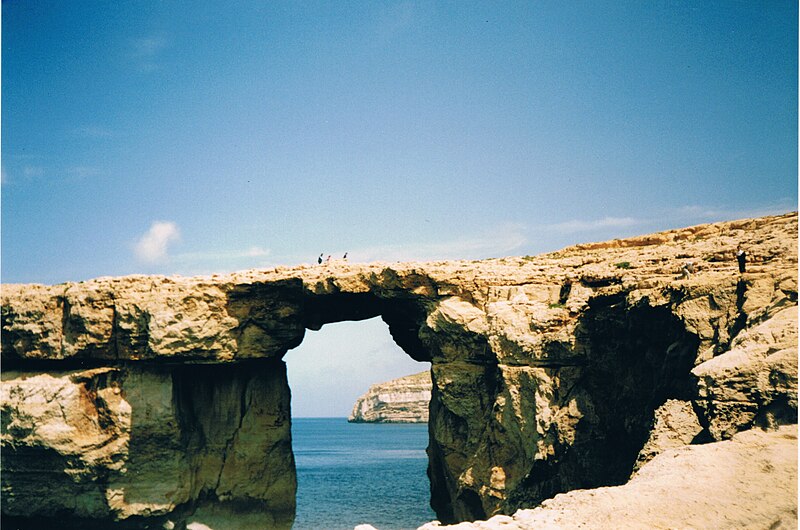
<point x="402" y="400"/>
<point x="112" y="443"/>
<point x="549" y="373"/>
<point x="749" y="481"/>
<point x="675" y="425"/>
<point x="754" y="380"/>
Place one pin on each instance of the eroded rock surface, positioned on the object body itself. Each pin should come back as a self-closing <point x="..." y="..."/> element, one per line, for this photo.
<point x="749" y="481"/>
<point x="166" y="443"/>
<point x="402" y="400"/>
<point x="549" y="373"/>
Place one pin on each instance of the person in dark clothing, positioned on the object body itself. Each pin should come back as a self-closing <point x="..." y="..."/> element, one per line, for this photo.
<point x="741" y="257"/>
<point x="319" y="259"/>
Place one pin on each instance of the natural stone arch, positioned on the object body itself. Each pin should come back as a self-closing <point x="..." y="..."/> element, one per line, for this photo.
<point x="272" y="317"/>
<point x="477" y="451"/>
<point x="186" y="417"/>
<point x="516" y="359"/>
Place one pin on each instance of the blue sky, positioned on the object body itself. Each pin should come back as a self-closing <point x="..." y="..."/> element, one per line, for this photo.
<point x="266" y="133"/>
<point x="195" y="137"/>
<point x="335" y="365"/>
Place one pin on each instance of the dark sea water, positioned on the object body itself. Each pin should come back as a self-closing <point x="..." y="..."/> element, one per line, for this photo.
<point x="354" y="473"/>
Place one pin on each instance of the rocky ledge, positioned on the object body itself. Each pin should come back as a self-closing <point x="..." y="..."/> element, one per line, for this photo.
<point x="163" y="400"/>
<point x="402" y="400"/>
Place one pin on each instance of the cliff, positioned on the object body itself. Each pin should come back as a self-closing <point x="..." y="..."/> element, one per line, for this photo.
<point x="402" y="400"/>
<point x="163" y="400"/>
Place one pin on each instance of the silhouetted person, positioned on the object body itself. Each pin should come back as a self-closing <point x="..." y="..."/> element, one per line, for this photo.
<point x="319" y="260"/>
<point x="741" y="257"/>
<point x="566" y="288"/>
<point x="329" y="259"/>
<point x="345" y="256"/>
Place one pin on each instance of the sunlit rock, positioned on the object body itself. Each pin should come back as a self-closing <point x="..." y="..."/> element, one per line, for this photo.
<point x="402" y="400"/>
<point x="164" y="400"/>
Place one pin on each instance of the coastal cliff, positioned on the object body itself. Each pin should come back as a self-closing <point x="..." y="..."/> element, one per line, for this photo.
<point x="163" y="400"/>
<point x="402" y="400"/>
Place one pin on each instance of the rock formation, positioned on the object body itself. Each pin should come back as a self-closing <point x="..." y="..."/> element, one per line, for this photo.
<point x="749" y="481"/>
<point x="149" y="399"/>
<point x="402" y="400"/>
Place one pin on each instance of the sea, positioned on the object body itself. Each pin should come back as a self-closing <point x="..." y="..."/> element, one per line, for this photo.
<point x="356" y="473"/>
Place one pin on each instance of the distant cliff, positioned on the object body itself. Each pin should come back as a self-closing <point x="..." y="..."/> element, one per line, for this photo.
<point x="402" y="400"/>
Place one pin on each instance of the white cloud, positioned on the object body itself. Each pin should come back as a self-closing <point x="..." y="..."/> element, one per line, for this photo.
<point x="81" y="172"/>
<point x="705" y="214"/>
<point x="502" y="241"/>
<point x="221" y="256"/>
<point x="256" y="252"/>
<point x="576" y="226"/>
<point x="153" y="246"/>
<point x="33" y="171"/>
<point x="146" y="52"/>
<point x="694" y="210"/>
<point x="669" y="218"/>
<point x="219" y="261"/>
<point x="149" y="46"/>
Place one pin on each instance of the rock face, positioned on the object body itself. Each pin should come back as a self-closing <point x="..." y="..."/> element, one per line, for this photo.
<point x="749" y="481"/>
<point x="130" y="442"/>
<point x="151" y="399"/>
<point x="402" y="400"/>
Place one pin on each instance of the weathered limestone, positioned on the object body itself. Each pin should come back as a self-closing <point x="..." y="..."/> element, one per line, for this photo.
<point x="754" y="370"/>
<point x="675" y="424"/>
<point x="749" y="481"/>
<point x="148" y="441"/>
<point x="402" y="400"/>
<point x="549" y="373"/>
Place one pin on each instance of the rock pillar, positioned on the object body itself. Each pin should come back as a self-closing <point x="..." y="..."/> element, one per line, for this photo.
<point x="182" y="443"/>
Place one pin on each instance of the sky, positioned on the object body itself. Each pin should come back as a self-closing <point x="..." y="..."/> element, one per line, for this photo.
<point x="197" y="137"/>
<point x="332" y="367"/>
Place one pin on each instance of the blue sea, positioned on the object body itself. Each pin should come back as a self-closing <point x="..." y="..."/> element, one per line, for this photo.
<point x="355" y="473"/>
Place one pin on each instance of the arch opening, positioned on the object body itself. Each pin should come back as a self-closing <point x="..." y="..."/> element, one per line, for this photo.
<point x="402" y="315"/>
<point x="346" y="472"/>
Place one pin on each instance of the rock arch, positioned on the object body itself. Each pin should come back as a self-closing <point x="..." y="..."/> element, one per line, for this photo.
<point x="177" y="389"/>
<point x="150" y="398"/>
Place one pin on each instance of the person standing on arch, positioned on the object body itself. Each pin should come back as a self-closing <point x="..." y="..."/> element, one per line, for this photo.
<point x="741" y="257"/>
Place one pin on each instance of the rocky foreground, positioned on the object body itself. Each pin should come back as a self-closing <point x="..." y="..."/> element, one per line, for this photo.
<point x="402" y="400"/>
<point x="149" y="400"/>
<point x="747" y="482"/>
